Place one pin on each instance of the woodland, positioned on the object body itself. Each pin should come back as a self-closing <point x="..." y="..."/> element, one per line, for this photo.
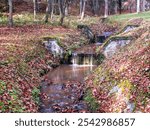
<point x="74" y="56"/>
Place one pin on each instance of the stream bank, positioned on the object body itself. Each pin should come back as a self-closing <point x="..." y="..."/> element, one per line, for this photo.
<point x="121" y="83"/>
<point x="64" y="86"/>
<point x="110" y="88"/>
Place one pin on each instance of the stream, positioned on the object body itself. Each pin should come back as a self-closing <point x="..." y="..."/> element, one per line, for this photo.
<point x="66" y="88"/>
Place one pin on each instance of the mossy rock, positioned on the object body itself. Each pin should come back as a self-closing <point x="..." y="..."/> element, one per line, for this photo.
<point x="57" y="38"/>
<point x="125" y="27"/>
<point x="113" y="38"/>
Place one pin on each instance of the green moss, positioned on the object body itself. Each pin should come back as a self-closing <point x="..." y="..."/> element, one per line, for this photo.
<point x="125" y="84"/>
<point x="36" y="95"/>
<point x="123" y="29"/>
<point x="112" y="38"/>
<point x="92" y="102"/>
<point x="100" y="58"/>
<point x="57" y="37"/>
<point x="2" y="87"/>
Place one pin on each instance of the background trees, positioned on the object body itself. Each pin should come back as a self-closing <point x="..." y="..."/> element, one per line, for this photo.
<point x="10" y="18"/>
<point x="106" y="8"/>
<point x="76" y="7"/>
<point x="138" y="6"/>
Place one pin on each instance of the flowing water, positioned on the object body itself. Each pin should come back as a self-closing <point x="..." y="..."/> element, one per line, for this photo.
<point x="65" y="88"/>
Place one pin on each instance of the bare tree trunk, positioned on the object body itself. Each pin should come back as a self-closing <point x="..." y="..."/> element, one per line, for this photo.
<point x="138" y="6"/>
<point x="48" y="10"/>
<point x="35" y="8"/>
<point x="143" y="7"/>
<point x="120" y="6"/>
<point x="116" y="7"/>
<point x="62" y="12"/>
<point x="66" y="7"/>
<point x="10" y="19"/>
<point x="52" y="9"/>
<point x="83" y="10"/>
<point x="81" y="6"/>
<point x="95" y="4"/>
<point x="106" y="9"/>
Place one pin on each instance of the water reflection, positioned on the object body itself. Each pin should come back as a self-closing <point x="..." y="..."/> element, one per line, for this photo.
<point x="65" y="73"/>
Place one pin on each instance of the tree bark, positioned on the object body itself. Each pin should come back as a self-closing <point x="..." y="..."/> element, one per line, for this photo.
<point x="83" y="9"/>
<point x="10" y="19"/>
<point x="120" y="6"/>
<point x="95" y="4"/>
<point x="143" y="7"/>
<point x="48" y="10"/>
<point x="35" y="8"/>
<point x="138" y="6"/>
<point x="66" y="7"/>
<point x="106" y="9"/>
<point x="81" y="6"/>
<point x="62" y="12"/>
<point x="116" y="7"/>
<point x="52" y="9"/>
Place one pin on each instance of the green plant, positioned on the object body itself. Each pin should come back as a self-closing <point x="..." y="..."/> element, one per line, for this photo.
<point x="90" y="99"/>
<point x="2" y="87"/>
<point x="35" y="94"/>
<point x="13" y="103"/>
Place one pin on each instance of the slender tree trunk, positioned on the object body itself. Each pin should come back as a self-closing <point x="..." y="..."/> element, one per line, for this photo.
<point x="10" y="19"/>
<point x="116" y="7"/>
<point x="144" y="2"/>
<point x="62" y="12"/>
<point x="138" y="6"/>
<point x="120" y="6"/>
<point x="48" y="10"/>
<point x="66" y="8"/>
<point x="106" y="9"/>
<point x="52" y="9"/>
<point x="95" y="5"/>
<point x="83" y="10"/>
<point x="81" y="6"/>
<point x="35" y="8"/>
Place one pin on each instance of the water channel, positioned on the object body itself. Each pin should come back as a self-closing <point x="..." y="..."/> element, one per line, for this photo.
<point x="66" y="90"/>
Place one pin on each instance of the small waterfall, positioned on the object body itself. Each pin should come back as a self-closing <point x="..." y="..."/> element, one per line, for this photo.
<point x="91" y="59"/>
<point x="74" y="59"/>
<point x="83" y="59"/>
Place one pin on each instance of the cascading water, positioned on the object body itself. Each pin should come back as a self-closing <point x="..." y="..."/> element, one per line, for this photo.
<point x="83" y="59"/>
<point x="64" y="96"/>
<point x="74" y="59"/>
